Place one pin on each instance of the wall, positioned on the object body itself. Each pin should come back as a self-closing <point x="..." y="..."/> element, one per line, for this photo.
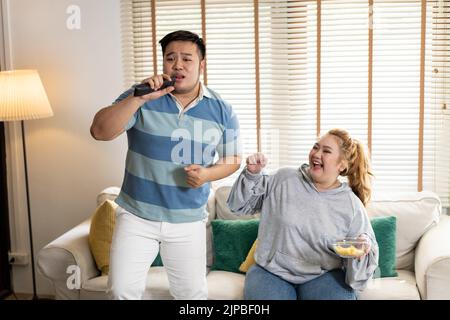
<point x="81" y="70"/>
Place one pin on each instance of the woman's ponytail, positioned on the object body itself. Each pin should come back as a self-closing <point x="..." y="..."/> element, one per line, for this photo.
<point x="358" y="172"/>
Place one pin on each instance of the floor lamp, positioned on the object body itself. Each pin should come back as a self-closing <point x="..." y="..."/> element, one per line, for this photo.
<point x="23" y="97"/>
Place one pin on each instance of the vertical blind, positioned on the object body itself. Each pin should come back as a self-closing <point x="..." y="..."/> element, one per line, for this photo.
<point x="295" y="69"/>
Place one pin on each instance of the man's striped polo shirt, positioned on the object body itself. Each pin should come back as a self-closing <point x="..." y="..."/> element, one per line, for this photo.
<point x="162" y="140"/>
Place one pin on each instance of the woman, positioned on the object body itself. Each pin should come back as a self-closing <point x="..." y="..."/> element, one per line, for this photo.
<point x="302" y="213"/>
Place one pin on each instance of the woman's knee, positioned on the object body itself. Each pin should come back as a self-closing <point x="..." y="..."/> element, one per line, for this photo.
<point x="329" y="286"/>
<point x="253" y="282"/>
<point x="261" y="284"/>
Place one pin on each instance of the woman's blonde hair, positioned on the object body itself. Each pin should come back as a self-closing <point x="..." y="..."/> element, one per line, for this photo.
<point x="358" y="172"/>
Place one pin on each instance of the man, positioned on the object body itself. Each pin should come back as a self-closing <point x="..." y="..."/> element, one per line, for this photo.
<point x="179" y="140"/>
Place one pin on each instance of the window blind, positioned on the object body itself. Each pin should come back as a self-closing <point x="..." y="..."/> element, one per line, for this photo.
<point x="376" y="68"/>
<point x="288" y="59"/>
<point x="396" y="94"/>
<point x="175" y="15"/>
<point x="344" y="66"/>
<point x="231" y="61"/>
<point x="437" y="117"/>
<point x="137" y="40"/>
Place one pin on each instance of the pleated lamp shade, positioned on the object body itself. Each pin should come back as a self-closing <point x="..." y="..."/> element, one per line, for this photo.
<point x="22" y="96"/>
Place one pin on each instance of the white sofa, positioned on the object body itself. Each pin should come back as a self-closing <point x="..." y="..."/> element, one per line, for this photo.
<point x="423" y="255"/>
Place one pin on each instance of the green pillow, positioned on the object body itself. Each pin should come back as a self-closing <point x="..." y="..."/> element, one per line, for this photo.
<point x="385" y="229"/>
<point x="158" y="261"/>
<point x="232" y="239"/>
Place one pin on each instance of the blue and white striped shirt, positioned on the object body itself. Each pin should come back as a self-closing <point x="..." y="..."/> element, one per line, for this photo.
<point x="162" y="140"/>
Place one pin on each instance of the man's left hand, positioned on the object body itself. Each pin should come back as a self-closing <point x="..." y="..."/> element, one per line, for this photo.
<point x="196" y="175"/>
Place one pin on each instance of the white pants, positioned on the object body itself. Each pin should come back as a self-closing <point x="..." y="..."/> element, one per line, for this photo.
<point x="135" y="245"/>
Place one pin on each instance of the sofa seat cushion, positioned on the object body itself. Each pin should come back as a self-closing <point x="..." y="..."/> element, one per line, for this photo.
<point x="402" y="287"/>
<point x="225" y="285"/>
<point x="157" y="286"/>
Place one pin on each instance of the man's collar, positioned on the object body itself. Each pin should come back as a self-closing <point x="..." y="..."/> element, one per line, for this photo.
<point x="204" y="91"/>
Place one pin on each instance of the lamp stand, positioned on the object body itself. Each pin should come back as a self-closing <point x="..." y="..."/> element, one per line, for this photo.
<point x="30" y="230"/>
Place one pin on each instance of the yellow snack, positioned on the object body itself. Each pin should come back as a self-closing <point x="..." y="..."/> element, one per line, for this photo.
<point x="349" y="251"/>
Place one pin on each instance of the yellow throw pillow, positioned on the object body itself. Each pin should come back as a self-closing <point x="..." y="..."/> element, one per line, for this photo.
<point x="101" y="232"/>
<point x="250" y="260"/>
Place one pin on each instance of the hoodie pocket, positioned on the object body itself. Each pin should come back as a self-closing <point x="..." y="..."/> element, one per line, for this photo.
<point x="294" y="265"/>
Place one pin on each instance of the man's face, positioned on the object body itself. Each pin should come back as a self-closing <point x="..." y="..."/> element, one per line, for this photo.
<point x="182" y="60"/>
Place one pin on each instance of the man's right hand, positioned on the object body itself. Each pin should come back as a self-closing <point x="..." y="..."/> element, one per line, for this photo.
<point x="256" y="162"/>
<point x="156" y="82"/>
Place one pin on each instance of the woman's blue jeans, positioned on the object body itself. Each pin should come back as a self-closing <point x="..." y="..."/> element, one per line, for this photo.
<point x="261" y="284"/>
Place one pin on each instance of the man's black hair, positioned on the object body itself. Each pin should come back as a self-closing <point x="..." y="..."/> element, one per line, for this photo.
<point x="183" y="35"/>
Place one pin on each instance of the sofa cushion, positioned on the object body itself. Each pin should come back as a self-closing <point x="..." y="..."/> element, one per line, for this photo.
<point x="416" y="212"/>
<point x="385" y="233"/>
<point x="101" y="232"/>
<point x="157" y="286"/>
<point x="224" y="285"/>
<point x="232" y="239"/>
<point x="402" y="287"/>
<point x="250" y="259"/>
<point x="221" y="211"/>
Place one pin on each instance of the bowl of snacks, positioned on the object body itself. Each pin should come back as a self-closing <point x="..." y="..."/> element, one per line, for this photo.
<point x="350" y="247"/>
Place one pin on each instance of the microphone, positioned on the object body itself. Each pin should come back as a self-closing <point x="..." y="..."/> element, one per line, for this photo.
<point x="144" y="88"/>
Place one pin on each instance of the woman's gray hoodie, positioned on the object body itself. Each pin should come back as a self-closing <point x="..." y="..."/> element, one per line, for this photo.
<point x="298" y="224"/>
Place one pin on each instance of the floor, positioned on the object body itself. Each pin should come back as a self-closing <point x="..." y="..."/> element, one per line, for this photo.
<point x="27" y="296"/>
<point x="19" y="296"/>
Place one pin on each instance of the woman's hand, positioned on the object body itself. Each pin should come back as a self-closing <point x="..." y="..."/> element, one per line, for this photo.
<point x="366" y="239"/>
<point x="256" y="162"/>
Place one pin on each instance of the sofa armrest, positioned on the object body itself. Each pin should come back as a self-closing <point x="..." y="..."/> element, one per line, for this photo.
<point x="67" y="261"/>
<point x="432" y="261"/>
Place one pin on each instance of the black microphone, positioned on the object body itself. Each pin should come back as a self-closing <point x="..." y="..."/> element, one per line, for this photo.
<point x="144" y="88"/>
